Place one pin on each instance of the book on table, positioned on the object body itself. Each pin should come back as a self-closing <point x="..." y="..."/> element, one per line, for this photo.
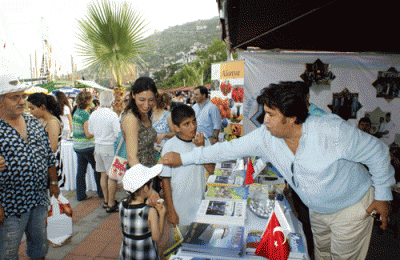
<point x="232" y="181"/>
<point x="297" y="249"/>
<point x="214" y="239"/>
<point x="227" y="193"/>
<point x="222" y="172"/>
<point x="252" y="240"/>
<point x="230" y="212"/>
<point x="228" y="165"/>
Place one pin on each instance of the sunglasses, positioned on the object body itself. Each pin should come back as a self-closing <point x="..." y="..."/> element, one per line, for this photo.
<point x="126" y="100"/>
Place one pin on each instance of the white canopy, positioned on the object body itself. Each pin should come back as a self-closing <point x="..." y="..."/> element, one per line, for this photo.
<point x="93" y="84"/>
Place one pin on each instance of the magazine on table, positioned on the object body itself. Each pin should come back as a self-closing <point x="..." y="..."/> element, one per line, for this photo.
<point x="230" y="212"/>
<point x="227" y="193"/>
<point x="233" y="181"/>
<point x="214" y="239"/>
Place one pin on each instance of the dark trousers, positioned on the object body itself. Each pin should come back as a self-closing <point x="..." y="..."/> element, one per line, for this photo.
<point x="84" y="157"/>
<point x="304" y="217"/>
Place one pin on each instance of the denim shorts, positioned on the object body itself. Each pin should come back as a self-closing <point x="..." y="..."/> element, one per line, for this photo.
<point x="33" y="223"/>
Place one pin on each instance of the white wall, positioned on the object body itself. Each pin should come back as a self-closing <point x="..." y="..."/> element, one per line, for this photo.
<point x="356" y="72"/>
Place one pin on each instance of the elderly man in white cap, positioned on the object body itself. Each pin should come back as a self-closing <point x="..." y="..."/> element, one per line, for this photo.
<point x="27" y="173"/>
<point x="104" y="125"/>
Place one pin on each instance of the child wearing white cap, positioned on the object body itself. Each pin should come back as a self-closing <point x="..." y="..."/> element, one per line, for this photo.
<point x="141" y="224"/>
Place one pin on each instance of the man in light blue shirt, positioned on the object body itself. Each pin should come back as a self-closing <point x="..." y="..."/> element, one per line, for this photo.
<point x="314" y="110"/>
<point x="321" y="158"/>
<point x="207" y="114"/>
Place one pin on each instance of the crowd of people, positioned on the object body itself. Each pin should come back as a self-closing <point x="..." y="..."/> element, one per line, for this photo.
<point x="340" y="174"/>
<point x="147" y="125"/>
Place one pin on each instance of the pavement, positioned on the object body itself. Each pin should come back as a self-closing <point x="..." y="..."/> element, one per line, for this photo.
<point x="96" y="233"/>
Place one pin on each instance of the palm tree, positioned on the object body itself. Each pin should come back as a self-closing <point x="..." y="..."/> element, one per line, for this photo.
<point x="111" y="36"/>
<point x="192" y="75"/>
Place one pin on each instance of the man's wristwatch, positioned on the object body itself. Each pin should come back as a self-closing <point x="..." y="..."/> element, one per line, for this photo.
<point x="54" y="183"/>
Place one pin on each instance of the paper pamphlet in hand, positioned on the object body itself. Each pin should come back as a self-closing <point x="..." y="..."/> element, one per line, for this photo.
<point x="273" y="245"/>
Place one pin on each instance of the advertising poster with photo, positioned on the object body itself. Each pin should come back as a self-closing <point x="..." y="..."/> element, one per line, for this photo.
<point x="228" y="79"/>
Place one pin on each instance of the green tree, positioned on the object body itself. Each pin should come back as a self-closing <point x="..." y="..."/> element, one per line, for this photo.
<point x="111" y="37"/>
<point x="159" y="76"/>
<point x="198" y="72"/>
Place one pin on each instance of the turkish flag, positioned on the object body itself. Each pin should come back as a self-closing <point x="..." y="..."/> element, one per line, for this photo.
<point x="273" y="244"/>
<point x="249" y="173"/>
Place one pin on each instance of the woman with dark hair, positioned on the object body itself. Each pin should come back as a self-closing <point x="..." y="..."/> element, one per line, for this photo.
<point x="46" y="108"/>
<point x="161" y="120"/>
<point x="136" y="125"/>
<point x="84" y="146"/>
<point x="66" y="109"/>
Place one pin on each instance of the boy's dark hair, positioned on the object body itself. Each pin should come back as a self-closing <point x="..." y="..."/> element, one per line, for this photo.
<point x="203" y="90"/>
<point x="180" y="113"/>
<point x="288" y="98"/>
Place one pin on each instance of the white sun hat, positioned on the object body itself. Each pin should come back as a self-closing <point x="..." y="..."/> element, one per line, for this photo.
<point x="138" y="175"/>
<point x="10" y="84"/>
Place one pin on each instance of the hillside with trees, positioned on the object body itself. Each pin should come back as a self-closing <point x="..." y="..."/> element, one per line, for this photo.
<point x="162" y="47"/>
<point x="195" y="73"/>
<point x="162" y="51"/>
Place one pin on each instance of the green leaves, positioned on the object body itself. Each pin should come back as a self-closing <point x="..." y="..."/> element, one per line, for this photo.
<point x="111" y="36"/>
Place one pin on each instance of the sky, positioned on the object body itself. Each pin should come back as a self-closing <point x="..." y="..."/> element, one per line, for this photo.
<point x="21" y="26"/>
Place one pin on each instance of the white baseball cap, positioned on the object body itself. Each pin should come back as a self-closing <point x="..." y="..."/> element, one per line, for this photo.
<point x="10" y="84"/>
<point x="138" y="175"/>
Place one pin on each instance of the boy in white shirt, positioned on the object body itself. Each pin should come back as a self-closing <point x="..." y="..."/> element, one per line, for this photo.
<point x="184" y="186"/>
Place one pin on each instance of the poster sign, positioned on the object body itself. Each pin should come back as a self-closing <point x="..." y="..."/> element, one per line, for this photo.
<point x="228" y="78"/>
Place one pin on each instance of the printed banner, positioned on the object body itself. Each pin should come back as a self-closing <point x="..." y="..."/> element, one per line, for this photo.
<point x="228" y="78"/>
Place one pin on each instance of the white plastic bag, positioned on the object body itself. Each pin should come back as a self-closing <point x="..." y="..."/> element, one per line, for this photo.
<point x="59" y="226"/>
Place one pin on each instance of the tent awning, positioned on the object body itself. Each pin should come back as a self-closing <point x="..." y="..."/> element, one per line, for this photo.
<point x="93" y="84"/>
<point x="313" y="25"/>
<point x="32" y="90"/>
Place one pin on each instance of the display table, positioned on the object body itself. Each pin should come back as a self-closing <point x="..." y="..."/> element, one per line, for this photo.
<point x="253" y="222"/>
<point x="70" y="166"/>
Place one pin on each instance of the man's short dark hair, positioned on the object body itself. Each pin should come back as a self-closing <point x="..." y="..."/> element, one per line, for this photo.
<point x="203" y="90"/>
<point x="288" y="97"/>
<point x="302" y="86"/>
<point x="180" y="113"/>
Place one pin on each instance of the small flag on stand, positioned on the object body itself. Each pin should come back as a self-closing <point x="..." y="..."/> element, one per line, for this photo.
<point x="249" y="173"/>
<point x="273" y="244"/>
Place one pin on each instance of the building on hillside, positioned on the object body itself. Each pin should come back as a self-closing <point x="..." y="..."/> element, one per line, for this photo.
<point x="201" y="27"/>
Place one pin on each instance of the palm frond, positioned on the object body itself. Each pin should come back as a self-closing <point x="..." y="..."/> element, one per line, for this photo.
<point x="111" y="37"/>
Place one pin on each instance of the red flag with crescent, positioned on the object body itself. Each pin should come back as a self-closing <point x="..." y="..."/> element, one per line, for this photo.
<point x="249" y="173"/>
<point x="273" y="244"/>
